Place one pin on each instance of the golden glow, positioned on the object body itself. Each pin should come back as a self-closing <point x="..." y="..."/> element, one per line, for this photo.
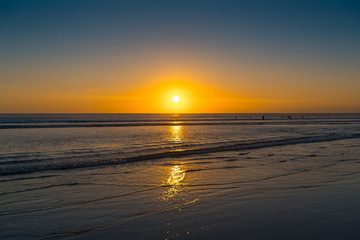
<point x="194" y="98"/>
<point x="176" y="99"/>
<point x="175" y="176"/>
<point x="176" y="133"/>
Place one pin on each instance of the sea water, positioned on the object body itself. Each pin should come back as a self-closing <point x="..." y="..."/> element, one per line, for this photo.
<point x="179" y="176"/>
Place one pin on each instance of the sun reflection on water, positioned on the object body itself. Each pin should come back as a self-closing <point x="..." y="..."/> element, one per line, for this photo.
<point x="176" y="133"/>
<point x="175" y="176"/>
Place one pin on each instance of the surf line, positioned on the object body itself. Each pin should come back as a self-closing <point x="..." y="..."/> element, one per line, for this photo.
<point x="182" y="153"/>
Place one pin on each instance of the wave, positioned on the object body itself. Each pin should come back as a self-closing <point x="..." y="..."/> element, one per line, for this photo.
<point x="221" y="147"/>
<point x="13" y="121"/>
<point x="175" y="123"/>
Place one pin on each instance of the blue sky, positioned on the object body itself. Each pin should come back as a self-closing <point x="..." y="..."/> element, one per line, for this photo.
<point x="329" y="27"/>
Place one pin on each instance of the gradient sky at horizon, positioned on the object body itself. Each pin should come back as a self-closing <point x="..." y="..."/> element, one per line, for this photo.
<point x="223" y="56"/>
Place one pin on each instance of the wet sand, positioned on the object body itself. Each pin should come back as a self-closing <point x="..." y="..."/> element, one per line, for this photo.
<point x="303" y="191"/>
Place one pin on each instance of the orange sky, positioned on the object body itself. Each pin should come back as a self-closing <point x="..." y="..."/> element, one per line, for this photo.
<point x="146" y="82"/>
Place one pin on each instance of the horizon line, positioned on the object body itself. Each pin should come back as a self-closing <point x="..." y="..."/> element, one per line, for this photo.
<point x="186" y="113"/>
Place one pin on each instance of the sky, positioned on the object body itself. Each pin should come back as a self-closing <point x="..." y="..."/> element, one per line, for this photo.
<point x="77" y="56"/>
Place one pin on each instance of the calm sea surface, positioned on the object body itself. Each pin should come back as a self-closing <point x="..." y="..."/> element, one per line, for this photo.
<point x="162" y="176"/>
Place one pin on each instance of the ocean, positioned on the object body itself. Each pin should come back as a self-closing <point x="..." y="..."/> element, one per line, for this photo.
<point x="179" y="176"/>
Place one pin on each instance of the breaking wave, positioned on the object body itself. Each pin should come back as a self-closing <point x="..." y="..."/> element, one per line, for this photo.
<point x="220" y="147"/>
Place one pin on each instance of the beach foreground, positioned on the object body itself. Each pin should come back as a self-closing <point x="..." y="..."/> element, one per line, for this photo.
<point x="303" y="189"/>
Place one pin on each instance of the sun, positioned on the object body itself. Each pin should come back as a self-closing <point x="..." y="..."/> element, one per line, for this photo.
<point x="176" y="99"/>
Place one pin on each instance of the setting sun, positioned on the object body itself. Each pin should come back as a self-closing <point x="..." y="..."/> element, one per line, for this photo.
<point x="176" y="99"/>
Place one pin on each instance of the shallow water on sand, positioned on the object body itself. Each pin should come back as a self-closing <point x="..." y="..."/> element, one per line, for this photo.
<point x="281" y="181"/>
